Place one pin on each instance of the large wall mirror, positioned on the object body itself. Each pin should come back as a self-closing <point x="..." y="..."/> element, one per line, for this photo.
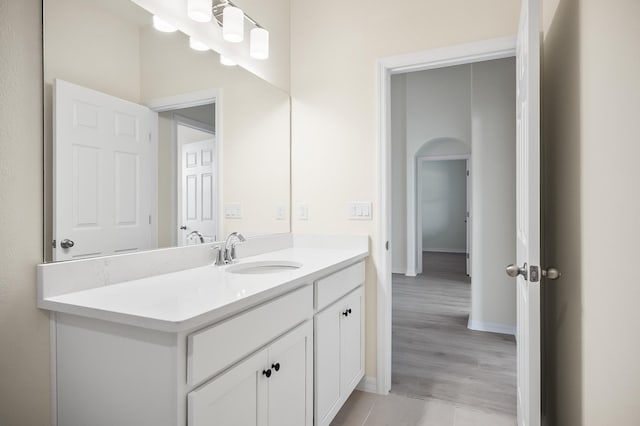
<point x="150" y="143"/>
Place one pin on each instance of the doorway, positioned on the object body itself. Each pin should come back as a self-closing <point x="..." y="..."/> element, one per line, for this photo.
<point x="436" y="311"/>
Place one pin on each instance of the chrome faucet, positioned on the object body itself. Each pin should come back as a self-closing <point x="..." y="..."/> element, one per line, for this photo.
<point x="230" y="246"/>
<point x="197" y="234"/>
<point x="228" y="255"/>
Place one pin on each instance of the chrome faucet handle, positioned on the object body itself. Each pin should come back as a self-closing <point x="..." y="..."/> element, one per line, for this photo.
<point x="220" y="261"/>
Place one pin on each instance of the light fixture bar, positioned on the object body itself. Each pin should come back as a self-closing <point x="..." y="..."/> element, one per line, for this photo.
<point x="218" y="8"/>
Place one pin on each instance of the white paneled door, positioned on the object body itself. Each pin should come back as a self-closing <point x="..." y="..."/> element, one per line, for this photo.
<point x="528" y="213"/>
<point x="102" y="186"/>
<point x="198" y="191"/>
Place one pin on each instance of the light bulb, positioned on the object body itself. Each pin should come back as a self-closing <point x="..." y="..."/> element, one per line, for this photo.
<point x="233" y="24"/>
<point x="200" y="10"/>
<point x="259" y="43"/>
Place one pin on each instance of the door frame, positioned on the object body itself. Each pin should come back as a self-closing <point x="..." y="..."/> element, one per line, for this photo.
<point x="485" y="50"/>
<point x="417" y="214"/>
<point x="187" y="100"/>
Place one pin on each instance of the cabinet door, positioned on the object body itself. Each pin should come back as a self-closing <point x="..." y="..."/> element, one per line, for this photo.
<point x="351" y="341"/>
<point x="291" y="381"/>
<point x="236" y="398"/>
<point x="327" y="363"/>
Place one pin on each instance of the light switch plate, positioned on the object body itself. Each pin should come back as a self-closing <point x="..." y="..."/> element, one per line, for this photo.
<point x="360" y="210"/>
<point x="233" y="211"/>
<point x="281" y="213"/>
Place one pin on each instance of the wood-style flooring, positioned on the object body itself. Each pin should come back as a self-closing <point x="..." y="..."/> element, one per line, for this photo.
<point x="435" y="355"/>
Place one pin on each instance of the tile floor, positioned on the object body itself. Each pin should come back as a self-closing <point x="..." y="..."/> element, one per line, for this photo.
<point x="367" y="409"/>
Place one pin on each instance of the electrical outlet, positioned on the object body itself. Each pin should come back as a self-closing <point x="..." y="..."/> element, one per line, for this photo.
<point x="303" y="212"/>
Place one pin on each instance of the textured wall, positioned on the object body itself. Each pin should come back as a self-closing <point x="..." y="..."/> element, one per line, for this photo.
<point x="24" y="329"/>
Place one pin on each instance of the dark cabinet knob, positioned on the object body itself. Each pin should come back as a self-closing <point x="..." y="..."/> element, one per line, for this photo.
<point x="276" y="366"/>
<point x="183" y="227"/>
<point x="349" y="310"/>
<point x="267" y="373"/>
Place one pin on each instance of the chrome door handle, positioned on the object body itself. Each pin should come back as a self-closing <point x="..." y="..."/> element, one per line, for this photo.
<point x="514" y="270"/>
<point x="65" y="244"/>
<point x="551" y="273"/>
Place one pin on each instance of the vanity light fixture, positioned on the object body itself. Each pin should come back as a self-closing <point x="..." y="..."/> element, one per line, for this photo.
<point x="162" y="25"/>
<point x="197" y="45"/>
<point x="200" y="10"/>
<point x="259" y="43"/>
<point x="224" y="60"/>
<point x="231" y="19"/>
<point x="233" y="24"/>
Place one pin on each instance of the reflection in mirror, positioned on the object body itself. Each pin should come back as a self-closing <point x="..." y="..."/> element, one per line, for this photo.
<point x="150" y="143"/>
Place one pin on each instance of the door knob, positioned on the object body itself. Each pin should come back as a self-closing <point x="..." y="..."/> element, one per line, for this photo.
<point x="65" y="244"/>
<point x="551" y="273"/>
<point x="514" y="270"/>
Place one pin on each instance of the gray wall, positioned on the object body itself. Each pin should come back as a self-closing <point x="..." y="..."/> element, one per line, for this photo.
<point x="24" y="329"/>
<point x="444" y="206"/>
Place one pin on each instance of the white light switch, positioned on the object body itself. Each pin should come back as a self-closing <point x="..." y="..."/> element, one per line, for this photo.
<point x="233" y="211"/>
<point x="360" y="210"/>
<point x="303" y="212"/>
<point x="280" y="212"/>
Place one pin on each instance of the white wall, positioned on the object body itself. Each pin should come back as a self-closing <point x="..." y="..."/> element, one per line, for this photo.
<point x="24" y="329"/>
<point x="493" y="164"/>
<point x="591" y="90"/>
<point x="333" y="74"/>
<point x="444" y="206"/>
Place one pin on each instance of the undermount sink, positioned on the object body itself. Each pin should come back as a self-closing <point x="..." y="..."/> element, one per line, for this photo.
<point x="264" y="267"/>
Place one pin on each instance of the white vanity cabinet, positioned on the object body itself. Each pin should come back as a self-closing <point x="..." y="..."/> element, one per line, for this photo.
<point x="270" y="388"/>
<point x="339" y="340"/>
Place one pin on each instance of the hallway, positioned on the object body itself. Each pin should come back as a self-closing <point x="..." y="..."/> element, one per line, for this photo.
<point x="435" y="355"/>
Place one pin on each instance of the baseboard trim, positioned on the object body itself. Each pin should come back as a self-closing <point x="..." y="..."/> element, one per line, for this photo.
<point x="368" y="384"/>
<point x="444" y="250"/>
<point x="398" y="271"/>
<point x="491" y="327"/>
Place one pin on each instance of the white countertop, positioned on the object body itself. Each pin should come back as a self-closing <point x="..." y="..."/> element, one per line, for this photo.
<point x="183" y="300"/>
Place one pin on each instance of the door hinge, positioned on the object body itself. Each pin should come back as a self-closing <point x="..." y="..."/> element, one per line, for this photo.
<point x="534" y="274"/>
<point x="149" y="219"/>
<point x="149" y="137"/>
<point x="467" y="172"/>
<point x="53" y="243"/>
<point x="386" y="245"/>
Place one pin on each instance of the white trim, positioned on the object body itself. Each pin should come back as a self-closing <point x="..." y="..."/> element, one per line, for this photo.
<point x="186" y="100"/>
<point x="443" y="250"/>
<point x="414" y="241"/>
<point x="398" y="271"/>
<point x="429" y="59"/>
<point x="153" y="208"/>
<point x="491" y="327"/>
<point x="368" y="384"/>
<point x="53" y="359"/>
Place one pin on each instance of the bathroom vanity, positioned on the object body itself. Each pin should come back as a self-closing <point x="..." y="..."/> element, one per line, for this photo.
<point x="167" y="338"/>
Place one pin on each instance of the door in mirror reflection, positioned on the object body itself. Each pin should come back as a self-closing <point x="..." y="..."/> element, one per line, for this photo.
<point x="103" y="174"/>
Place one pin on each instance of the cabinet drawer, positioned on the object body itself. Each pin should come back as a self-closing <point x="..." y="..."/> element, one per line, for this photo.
<point x="213" y="349"/>
<point x="331" y="288"/>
